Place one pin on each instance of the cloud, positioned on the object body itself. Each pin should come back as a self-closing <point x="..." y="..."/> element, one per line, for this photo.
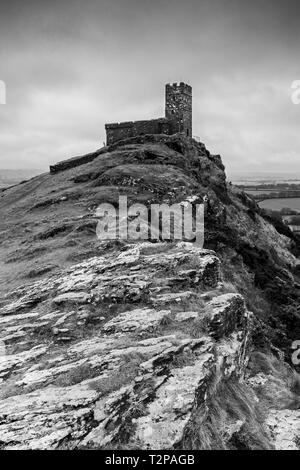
<point x="71" y="66"/>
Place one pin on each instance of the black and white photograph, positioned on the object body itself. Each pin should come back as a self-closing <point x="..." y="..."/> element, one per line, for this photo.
<point x="150" y="228"/>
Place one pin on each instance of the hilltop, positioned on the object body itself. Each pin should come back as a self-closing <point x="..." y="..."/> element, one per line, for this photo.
<point x="110" y="339"/>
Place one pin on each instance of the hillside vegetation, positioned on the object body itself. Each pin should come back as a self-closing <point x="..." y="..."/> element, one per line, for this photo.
<point x="145" y="345"/>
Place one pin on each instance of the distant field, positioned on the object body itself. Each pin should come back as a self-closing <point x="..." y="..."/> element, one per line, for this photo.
<point x="255" y="192"/>
<point x="278" y="204"/>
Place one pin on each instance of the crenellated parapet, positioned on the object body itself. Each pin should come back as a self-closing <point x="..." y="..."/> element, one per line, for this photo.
<point x="178" y="117"/>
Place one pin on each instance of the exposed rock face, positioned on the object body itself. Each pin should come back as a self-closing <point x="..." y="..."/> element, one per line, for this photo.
<point x="158" y="423"/>
<point x="142" y="345"/>
<point x="225" y="315"/>
<point x="285" y="428"/>
<point x="75" y="161"/>
<point x="137" y="377"/>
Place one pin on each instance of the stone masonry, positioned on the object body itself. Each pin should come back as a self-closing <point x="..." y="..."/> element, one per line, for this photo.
<point x="178" y="117"/>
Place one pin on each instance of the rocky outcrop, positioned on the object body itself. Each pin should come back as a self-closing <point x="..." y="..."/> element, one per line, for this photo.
<point x="111" y="353"/>
<point x="142" y="345"/>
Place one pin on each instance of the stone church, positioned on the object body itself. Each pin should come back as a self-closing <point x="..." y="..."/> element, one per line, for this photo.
<point x="178" y="117"/>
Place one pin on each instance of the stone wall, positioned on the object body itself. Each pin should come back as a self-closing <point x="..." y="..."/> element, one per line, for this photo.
<point x="179" y="107"/>
<point x="125" y="130"/>
<point x="178" y="117"/>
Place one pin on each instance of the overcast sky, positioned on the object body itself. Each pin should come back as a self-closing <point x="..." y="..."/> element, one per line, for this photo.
<point x="70" y="66"/>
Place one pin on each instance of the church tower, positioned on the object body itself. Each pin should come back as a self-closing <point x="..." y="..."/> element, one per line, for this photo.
<point x="179" y="107"/>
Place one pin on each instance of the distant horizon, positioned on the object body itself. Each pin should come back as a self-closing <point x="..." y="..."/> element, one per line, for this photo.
<point x="250" y="173"/>
<point x="237" y="175"/>
<point x="241" y="173"/>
